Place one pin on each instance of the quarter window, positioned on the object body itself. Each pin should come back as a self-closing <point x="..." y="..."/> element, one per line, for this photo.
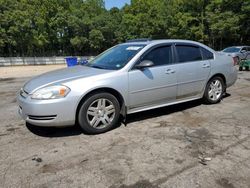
<point x="188" y="53"/>
<point x="159" y="56"/>
<point x="206" y="54"/>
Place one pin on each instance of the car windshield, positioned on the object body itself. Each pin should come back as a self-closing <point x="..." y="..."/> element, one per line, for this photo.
<point x="232" y="49"/>
<point x="115" y="58"/>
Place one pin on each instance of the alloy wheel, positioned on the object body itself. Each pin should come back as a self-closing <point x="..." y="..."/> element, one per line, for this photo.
<point x="100" y="113"/>
<point x="215" y="90"/>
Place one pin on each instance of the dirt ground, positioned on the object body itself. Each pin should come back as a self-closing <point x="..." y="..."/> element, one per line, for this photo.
<point x="27" y="71"/>
<point x="157" y="148"/>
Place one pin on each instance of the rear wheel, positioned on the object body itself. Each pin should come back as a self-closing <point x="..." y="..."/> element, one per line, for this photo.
<point x="240" y="69"/>
<point x="214" y="90"/>
<point x="99" y="113"/>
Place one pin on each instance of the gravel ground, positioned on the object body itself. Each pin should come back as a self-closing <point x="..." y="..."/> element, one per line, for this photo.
<point x="157" y="148"/>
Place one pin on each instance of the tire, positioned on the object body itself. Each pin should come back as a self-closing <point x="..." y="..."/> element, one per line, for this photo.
<point x="99" y="113"/>
<point x="214" y="91"/>
<point x="247" y="68"/>
<point x="240" y="69"/>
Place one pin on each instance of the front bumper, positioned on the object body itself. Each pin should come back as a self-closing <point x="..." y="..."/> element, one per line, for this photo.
<point x="47" y="113"/>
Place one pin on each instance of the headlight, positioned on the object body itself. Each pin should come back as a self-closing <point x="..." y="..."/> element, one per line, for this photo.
<point x="51" y="92"/>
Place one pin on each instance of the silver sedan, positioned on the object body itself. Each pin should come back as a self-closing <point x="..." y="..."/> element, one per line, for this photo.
<point x="127" y="78"/>
<point x="238" y="52"/>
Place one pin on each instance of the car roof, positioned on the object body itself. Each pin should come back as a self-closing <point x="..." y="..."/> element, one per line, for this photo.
<point x="146" y="42"/>
<point x="160" y="41"/>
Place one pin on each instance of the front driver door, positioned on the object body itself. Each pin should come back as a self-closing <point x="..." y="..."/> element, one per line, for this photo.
<point x="156" y="84"/>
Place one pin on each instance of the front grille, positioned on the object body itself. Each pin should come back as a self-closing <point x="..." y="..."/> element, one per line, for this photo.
<point x="41" y="118"/>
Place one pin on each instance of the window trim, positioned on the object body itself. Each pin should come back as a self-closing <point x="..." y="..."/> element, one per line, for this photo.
<point x="152" y="48"/>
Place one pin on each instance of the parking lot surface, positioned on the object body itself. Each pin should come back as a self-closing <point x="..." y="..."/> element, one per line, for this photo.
<point x="186" y="145"/>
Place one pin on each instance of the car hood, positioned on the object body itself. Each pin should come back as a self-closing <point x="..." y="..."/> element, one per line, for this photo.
<point x="62" y="75"/>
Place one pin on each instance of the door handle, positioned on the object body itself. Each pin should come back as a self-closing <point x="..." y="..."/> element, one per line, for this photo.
<point x="205" y="66"/>
<point x="170" y="71"/>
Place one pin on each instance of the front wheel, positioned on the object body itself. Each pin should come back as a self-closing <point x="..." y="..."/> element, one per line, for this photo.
<point x="214" y="90"/>
<point x="99" y="113"/>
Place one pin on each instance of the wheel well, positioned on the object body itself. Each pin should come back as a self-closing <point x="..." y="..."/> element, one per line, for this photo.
<point x="220" y="75"/>
<point x="108" y="90"/>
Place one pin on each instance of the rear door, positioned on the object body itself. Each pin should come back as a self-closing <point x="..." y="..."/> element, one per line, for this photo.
<point x="193" y="70"/>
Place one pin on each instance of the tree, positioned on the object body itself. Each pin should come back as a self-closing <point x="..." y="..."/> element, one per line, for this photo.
<point x="79" y="27"/>
<point x="143" y="19"/>
<point x="223" y="24"/>
<point x="245" y="22"/>
<point x="79" y="43"/>
<point x="96" y="39"/>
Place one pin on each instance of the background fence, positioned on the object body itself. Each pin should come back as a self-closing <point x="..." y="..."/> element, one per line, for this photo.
<point x="14" y="61"/>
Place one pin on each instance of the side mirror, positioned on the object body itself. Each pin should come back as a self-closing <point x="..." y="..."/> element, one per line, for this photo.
<point x="243" y="51"/>
<point x="144" y="64"/>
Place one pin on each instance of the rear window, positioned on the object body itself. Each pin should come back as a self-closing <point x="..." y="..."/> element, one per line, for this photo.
<point x="206" y="54"/>
<point x="188" y="53"/>
<point x="232" y="49"/>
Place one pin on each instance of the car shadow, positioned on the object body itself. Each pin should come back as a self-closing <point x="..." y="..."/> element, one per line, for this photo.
<point x="54" y="131"/>
<point x="162" y="111"/>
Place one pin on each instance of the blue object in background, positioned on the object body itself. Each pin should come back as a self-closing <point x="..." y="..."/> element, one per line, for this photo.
<point x="71" y="61"/>
<point x="83" y="61"/>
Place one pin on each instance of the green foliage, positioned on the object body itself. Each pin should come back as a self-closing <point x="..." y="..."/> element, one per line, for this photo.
<point x="96" y="39"/>
<point x="82" y="27"/>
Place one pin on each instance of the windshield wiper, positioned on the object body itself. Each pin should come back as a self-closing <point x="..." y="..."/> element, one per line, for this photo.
<point x="96" y="66"/>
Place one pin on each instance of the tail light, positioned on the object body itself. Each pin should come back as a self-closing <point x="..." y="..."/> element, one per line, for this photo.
<point x="235" y="61"/>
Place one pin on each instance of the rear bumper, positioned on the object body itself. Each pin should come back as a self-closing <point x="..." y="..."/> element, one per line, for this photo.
<point x="233" y="75"/>
<point x="47" y="113"/>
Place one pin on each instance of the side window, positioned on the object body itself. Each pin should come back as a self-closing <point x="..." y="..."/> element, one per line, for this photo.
<point x="188" y="53"/>
<point x="159" y="56"/>
<point x="244" y="49"/>
<point x="206" y="54"/>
